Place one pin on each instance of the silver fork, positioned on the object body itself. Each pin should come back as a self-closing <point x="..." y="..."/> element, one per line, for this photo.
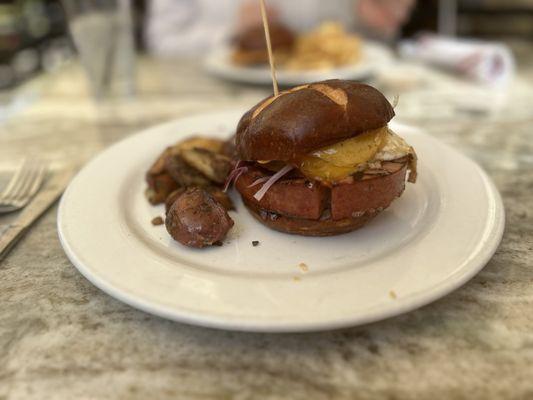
<point x="25" y="182"/>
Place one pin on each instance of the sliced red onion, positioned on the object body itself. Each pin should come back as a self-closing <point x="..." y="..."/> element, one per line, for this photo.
<point x="235" y="174"/>
<point x="239" y="164"/>
<point x="273" y="179"/>
<point x="232" y="178"/>
<point x="258" y="181"/>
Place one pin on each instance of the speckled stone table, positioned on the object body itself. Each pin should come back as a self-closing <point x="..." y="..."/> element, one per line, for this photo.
<point x="61" y="338"/>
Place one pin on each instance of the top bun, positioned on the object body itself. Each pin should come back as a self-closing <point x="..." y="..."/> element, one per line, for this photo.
<point x="253" y="39"/>
<point x="308" y="117"/>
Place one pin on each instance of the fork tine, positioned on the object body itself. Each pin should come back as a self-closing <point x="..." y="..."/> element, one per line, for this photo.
<point x="33" y="171"/>
<point x="13" y="181"/>
<point x="33" y="185"/>
<point x="19" y="188"/>
<point x="38" y="180"/>
<point x="19" y="183"/>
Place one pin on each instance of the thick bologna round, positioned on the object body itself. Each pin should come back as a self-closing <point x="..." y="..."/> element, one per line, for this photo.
<point x="294" y="205"/>
<point x="292" y="197"/>
<point x="361" y="196"/>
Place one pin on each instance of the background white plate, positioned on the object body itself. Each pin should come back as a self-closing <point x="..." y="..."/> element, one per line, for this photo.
<point x="433" y="239"/>
<point x="374" y="56"/>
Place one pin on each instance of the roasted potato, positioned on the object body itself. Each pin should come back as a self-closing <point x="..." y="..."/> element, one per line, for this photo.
<point x="214" y="166"/>
<point x="222" y="197"/>
<point x="196" y="219"/>
<point x="159" y="187"/>
<point x="214" y="145"/>
<point x="184" y="174"/>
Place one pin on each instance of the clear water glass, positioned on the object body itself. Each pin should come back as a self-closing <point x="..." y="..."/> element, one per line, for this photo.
<point x="102" y="31"/>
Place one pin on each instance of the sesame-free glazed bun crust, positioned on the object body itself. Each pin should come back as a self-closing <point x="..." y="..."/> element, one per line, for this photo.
<point x="308" y="117"/>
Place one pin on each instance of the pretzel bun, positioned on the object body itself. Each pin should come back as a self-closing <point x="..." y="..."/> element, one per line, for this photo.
<point x="308" y="117"/>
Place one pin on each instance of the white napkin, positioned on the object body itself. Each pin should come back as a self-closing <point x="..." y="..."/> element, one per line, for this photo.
<point x="487" y="62"/>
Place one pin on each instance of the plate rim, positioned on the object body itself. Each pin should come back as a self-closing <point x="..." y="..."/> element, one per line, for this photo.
<point x="410" y="303"/>
<point x="255" y="76"/>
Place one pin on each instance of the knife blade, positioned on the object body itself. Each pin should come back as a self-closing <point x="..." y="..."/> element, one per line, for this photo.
<point x="37" y="206"/>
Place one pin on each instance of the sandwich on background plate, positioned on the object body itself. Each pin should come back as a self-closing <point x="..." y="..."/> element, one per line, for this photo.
<point x="251" y="47"/>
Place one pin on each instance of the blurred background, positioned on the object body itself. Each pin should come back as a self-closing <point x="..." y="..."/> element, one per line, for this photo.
<point x="117" y="66"/>
<point x="34" y="34"/>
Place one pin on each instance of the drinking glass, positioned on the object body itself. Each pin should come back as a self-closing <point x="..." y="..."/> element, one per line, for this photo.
<point x="102" y="31"/>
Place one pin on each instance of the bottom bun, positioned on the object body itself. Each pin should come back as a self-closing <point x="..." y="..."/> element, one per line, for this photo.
<point x="309" y="227"/>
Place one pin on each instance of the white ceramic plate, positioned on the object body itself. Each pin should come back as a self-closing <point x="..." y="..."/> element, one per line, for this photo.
<point x="432" y="240"/>
<point x="374" y="57"/>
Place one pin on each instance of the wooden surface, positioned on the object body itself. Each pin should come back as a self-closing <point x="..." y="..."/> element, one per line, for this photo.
<point x="61" y="338"/>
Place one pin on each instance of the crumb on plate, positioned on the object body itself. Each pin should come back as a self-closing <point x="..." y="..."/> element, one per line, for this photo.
<point x="157" y="221"/>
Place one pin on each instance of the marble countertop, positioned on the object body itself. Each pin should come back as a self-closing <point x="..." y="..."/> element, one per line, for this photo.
<point x="61" y="338"/>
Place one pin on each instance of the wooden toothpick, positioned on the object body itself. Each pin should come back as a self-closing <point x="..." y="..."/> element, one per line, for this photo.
<point x="269" y="48"/>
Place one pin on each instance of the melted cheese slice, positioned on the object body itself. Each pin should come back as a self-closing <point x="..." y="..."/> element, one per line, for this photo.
<point x="315" y="168"/>
<point x="394" y="147"/>
<point x="338" y="161"/>
<point x="354" y="151"/>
